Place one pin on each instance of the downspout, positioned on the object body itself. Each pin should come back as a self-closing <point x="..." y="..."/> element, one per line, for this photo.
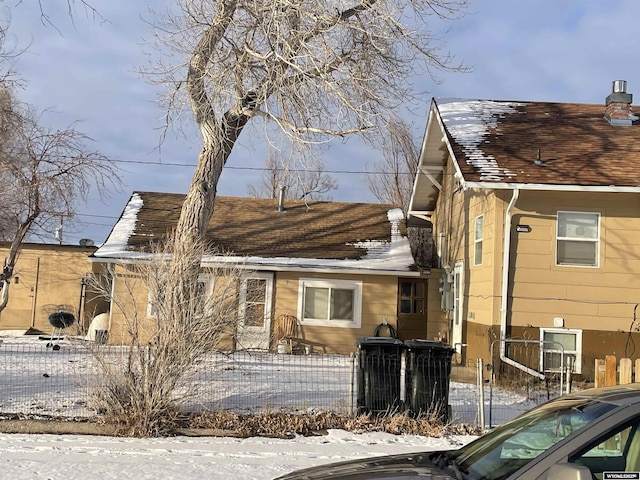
<point x="112" y="271"/>
<point x="505" y="290"/>
<point x="34" y="300"/>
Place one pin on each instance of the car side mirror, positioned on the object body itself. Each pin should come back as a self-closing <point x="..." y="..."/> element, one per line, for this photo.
<point x="569" y="471"/>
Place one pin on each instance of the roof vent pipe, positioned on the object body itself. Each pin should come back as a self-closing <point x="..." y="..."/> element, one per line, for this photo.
<point x="619" y="86"/>
<point x="281" y="199"/>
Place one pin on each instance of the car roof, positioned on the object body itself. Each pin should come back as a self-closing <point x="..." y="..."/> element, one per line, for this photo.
<point x="618" y="394"/>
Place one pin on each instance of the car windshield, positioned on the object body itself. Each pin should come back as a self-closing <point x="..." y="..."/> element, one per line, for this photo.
<point x="509" y="447"/>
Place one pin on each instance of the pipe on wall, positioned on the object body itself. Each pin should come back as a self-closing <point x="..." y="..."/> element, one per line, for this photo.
<point x="506" y="251"/>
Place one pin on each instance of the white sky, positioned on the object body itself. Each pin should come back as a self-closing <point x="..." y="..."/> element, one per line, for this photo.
<point x="519" y="50"/>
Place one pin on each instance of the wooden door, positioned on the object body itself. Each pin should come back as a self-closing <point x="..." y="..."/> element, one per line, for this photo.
<point x="412" y="308"/>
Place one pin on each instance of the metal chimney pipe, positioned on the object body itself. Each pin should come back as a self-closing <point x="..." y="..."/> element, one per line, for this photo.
<point x="281" y="199"/>
<point x="619" y="86"/>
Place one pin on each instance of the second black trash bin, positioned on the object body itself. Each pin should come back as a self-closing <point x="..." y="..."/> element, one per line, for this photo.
<point x="379" y="366"/>
<point x="427" y="378"/>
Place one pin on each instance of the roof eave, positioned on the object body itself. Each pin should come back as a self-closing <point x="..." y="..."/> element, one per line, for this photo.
<point x="274" y="267"/>
<point x="424" y="177"/>
<point x="550" y="187"/>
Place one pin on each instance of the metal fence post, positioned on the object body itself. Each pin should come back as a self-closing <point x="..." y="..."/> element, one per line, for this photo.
<point x="479" y="367"/>
<point x="351" y="381"/>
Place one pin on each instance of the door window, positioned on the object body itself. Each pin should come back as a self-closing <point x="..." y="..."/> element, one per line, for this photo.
<point x="412" y="297"/>
<point x="255" y="302"/>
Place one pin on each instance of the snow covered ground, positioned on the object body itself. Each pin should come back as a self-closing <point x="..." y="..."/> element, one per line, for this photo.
<point x="34" y="379"/>
<point x="73" y="457"/>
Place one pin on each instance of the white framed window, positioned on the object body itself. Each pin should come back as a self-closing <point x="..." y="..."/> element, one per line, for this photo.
<point x="330" y="303"/>
<point x="578" y="239"/>
<point x="154" y="300"/>
<point x="558" y="341"/>
<point x="477" y="240"/>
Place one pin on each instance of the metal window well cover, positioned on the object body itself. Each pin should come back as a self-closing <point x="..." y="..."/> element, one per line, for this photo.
<point x="428" y="370"/>
<point x="379" y="368"/>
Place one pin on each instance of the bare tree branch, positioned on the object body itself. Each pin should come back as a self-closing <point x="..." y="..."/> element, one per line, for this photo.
<point x="400" y="166"/>
<point x="308" y="183"/>
<point x="87" y="6"/>
<point x="44" y="174"/>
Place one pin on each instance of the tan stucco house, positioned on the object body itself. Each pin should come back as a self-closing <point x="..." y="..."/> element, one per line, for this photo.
<point x="342" y="270"/>
<point x="50" y="277"/>
<point x="535" y="210"/>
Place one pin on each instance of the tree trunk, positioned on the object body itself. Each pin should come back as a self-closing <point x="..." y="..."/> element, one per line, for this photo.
<point x="12" y="257"/>
<point x="197" y="209"/>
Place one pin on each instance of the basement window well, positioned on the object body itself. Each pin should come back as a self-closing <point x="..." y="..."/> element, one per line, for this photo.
<point x="555" y="343"/>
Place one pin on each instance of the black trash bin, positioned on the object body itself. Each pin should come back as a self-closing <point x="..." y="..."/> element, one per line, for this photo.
<point x="428" y="372"/>
<point x="379" y="366"/>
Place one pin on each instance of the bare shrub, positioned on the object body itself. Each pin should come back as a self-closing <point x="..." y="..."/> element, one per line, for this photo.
<point x="163" y="334"/>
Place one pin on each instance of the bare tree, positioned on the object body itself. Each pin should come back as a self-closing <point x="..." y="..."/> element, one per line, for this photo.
<point x="44" y="173"/>
<point x="393" y="181"/>
<point x="311" y="68"/>
<point x="85" y="5"/>
<point x="309" y="182"/>
<point x="143" y="392"/>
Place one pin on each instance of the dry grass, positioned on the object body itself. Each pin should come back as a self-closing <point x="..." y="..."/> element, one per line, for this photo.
<point x="273" y="425"/>
<point x="285" y="425"/>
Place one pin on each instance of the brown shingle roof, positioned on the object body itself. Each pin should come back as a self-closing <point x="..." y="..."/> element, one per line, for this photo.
<point x="577" y="144"/>
<point x="254" y="227"/>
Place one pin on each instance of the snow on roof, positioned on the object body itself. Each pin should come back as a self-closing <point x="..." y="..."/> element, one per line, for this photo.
<point x="381" y="255"/>
<point x="469" y="122"/>
<point x="118" y="239"/>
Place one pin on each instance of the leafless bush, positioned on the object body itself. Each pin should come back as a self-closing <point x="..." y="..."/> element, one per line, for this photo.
<point x="164" y="334"/>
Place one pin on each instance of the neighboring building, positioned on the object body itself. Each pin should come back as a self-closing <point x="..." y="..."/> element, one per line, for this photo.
<point x="340" y="269"/>
<point x="536" y="208"/>
<point x="49" y="277"/>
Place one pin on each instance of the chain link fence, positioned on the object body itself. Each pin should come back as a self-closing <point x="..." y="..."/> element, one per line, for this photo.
<point x="35" y="379"/>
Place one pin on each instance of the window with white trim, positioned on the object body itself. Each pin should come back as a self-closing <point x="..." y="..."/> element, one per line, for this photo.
<point x="477" y="240"/>
<point x="578" y="239"/>
<point x="331" y="303"/>
<point x="155" y="299"/>
<point x="557" y="342"/>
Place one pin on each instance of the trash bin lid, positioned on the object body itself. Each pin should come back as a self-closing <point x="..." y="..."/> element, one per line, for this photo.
<point x="422" y="344"/>
<point x="387" y="341"/>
